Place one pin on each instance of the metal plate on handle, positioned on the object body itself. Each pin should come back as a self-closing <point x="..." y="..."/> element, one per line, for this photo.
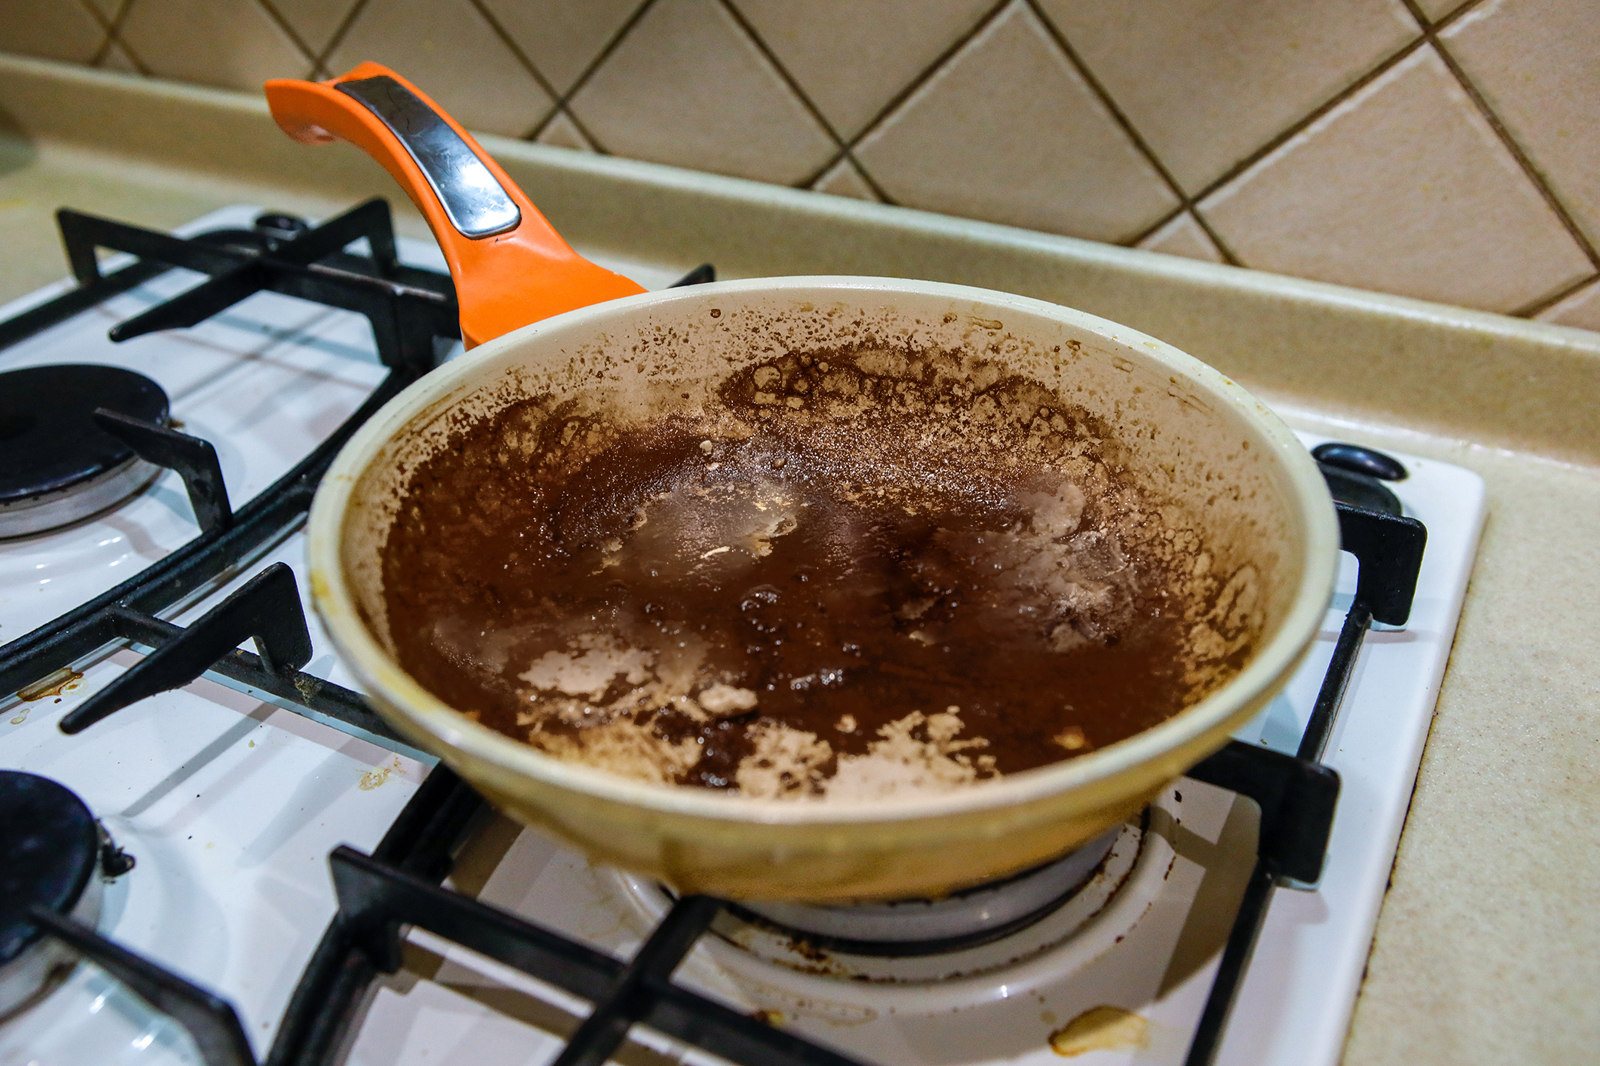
<point x="473" y="200"/>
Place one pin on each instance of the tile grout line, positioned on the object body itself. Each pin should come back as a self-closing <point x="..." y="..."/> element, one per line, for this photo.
<point x="920" y="79"/>
<point x="1299" y="126"/>
<point x="1140" y="144"/>
<point x="564" y="100"/>
<point x="106" y="41"/>
<point x="1544" y="303"/>
<point x="1278" y="140"/>
<point x="1281" y="138"/>
<point x="843" y="154"/>
<point x="114" y="35"/>
<point x="1159" y="224"/>
<point x="522" y="57"/>
<point x="1431" y="33"/>
<point x="848" y="144"/>
<point x="788" y="79"/>
<point x="337" y="38"/>
<point x="292" y="33"/>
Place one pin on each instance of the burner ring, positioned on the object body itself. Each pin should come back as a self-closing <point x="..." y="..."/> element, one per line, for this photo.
<point x="49" y="855"/>
<point x="59" y="466"/>
<point x="964" y="919"/>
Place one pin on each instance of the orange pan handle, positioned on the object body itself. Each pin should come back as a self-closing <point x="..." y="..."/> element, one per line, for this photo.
<point x="510" y="266"/>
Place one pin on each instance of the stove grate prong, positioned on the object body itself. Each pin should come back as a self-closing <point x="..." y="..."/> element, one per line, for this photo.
<point x="1388" y="549"/>
<point x="83" y="235"/>
<point x="194" y="459"/>
<point x="629" y="1000"/>
<point x="1297" y="798"/>
<point x="700" y="275"/>
<point x="210" y="1020"/>
<point x="172" y="579"/>
<point x="267" y="608"/>
<point x="406" y="306"/>
<point x="196" y="305"/>
<point x="246" y="273"/>
<point x="376" y="900"/>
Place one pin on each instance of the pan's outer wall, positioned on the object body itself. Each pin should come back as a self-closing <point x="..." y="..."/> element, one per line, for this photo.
<point x="1222" y="463"/>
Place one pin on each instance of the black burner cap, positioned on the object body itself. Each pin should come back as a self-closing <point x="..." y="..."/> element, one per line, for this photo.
<point x="48" y="440"/>
<point x="49" y="845"/>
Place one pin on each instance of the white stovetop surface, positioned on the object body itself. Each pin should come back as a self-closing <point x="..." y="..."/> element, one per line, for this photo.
<point x="231" y="804"/>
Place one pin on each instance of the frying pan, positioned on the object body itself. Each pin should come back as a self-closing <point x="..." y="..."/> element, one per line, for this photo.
<point x="544" y="322"/>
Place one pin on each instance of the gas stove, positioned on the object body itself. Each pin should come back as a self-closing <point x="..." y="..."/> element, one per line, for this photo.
<point x="275" y="877"/>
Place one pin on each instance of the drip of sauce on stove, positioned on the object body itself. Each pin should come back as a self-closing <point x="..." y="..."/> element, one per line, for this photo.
<point x="853" y="576"/>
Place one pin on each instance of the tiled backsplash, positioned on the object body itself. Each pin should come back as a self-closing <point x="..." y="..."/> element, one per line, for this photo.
<point x="1431" y="148"/>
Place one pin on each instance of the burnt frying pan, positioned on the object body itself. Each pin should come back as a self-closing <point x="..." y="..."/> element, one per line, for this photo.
<point x="542" y="321"/>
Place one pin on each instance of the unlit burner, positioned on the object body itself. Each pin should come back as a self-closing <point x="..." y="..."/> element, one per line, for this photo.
<point x="963" y="919"/>
<point x="53" y="854"/>
<point x="56" y="465"/>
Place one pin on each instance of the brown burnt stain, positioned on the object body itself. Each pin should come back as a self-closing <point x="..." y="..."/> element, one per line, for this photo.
<point x="1102" y="1028"/>
<point x="911" y="473"/>
<point x="55" y="684"/>
<point x="773" y="1018"/>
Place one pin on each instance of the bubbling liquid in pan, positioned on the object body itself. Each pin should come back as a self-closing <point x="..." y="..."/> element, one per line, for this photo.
<point x="855" y="576"/>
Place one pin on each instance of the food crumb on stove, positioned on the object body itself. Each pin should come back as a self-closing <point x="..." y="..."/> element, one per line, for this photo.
<point x="1102" y="1028"/>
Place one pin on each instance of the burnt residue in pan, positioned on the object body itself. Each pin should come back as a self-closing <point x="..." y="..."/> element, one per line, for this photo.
<point x="853" y="575"/>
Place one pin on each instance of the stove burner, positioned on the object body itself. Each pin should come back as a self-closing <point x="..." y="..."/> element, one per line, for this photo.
<point x="964" y="919"/>
<point x="50" y="849"/>
<point x="57" y="465"/>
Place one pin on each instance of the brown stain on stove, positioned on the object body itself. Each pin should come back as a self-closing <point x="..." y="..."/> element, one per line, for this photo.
<point x="63" y="680"/>
<point x="377" y="776"/>
<point x="1102" y="1028"/>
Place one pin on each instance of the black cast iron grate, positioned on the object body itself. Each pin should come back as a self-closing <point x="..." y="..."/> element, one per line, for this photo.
<point x="408" y="308"/>
<point x="399" y="883"/>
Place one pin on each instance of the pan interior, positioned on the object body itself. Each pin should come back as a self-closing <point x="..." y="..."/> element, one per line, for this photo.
<point x="1195" y="493"/>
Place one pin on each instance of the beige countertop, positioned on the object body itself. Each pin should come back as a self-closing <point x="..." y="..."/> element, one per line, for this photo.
<point x="1488" y="945"/>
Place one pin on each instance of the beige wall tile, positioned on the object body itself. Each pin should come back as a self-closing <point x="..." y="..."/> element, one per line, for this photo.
<point x="314" y="21"/>
<point x="562" y="132"/>
<point x="1581" y="309"/>
<point x="1183" y="236"/>
<point x="451" y="53"/>
<point x="1008" y="131"/>
<point x="1437" y="10"/>
<point x="1206" y="82"/>
<point x="1403" y="188"/>
<point x="1537" y="63"/>
<point x="688" y="86"/>
<point x="852" y="57"/>
<point x="844" y="179"/>
<point x="106" y="9"/>
<point x="56" y="29"/>
<point x="232" y="43"/>
<point x="562" y="37"/>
